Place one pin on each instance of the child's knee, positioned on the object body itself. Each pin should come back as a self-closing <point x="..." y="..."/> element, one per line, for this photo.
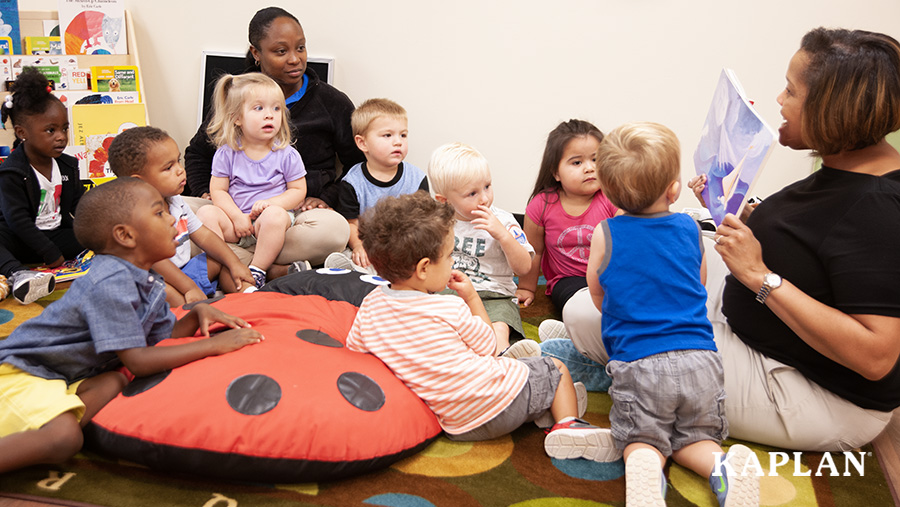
<point x="62" y="438"/>
<point x="560" y="365"/>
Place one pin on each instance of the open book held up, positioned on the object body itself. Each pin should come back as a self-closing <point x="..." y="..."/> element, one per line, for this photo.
<point x="734" y="146"/>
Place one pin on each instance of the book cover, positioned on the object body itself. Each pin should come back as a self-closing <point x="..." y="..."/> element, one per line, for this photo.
<point x="94" y="119"/>
<point x="53" y="74"/>
<point x="43" y="45"/>
<point x="118" y="78"/>
<point x="19" y="63"/>
<point x="9" y="24"/>
<point x="96" y="149"/>
<point x="6" y="73"/>
<point x="734" y="145"/>
<point x="91" y="27"/>
<point x="6" y="46"/>
<point x="51" y="27"/>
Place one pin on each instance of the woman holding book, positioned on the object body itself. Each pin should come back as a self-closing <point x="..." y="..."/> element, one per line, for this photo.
<point x="805" y="298"/>
<point x="320" y="124"/>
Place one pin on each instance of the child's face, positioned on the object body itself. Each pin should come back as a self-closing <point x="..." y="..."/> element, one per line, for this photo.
<point x="577" y="173"/>
<point x="385" y="143"/>
<point x="260" y="119"/>
<point x="46" y="134"/>
<point x="153" y="226"/>
<point x="163" y="168"/>
<point x="439" y="271"/>
<point x="467" y="197"/>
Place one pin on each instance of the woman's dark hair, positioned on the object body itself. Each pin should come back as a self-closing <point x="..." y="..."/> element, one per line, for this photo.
<point x="259" y="26"/>
<point x="31" y="95"/>
<point x="853" y="80"/>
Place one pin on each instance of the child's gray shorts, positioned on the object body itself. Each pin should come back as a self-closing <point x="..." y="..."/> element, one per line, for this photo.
<point x="668" y="400"/>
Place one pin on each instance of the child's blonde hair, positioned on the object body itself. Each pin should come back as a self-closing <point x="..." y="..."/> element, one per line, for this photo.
<point x="366" y="113"/>
<point x="636" y="163"/>
<point x="230" y="94"/>
<point x="455" y="164"/>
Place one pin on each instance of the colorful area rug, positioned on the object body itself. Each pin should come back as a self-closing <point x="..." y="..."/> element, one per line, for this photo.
<point x="513" y="470"/>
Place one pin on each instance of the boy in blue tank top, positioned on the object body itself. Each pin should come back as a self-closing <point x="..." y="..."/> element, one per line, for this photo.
<point x="646" y="274"/>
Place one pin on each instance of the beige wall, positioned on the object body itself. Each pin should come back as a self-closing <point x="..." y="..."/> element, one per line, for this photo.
<point x="499" y="75"/>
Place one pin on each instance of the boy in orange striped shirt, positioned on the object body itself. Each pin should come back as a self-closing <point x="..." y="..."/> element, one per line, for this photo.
<point x="442" y="346"/>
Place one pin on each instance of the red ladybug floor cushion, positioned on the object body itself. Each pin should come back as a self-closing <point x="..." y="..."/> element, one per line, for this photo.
<point x="298" y="407"/>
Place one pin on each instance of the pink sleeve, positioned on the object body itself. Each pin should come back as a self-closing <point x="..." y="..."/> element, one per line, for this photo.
<point x="608" y="207"/>
<point x="535" y="209"/>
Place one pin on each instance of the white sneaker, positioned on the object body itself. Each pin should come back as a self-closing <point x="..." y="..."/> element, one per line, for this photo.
<point x="552" y="328"/>
<point x="29" y="286"/>
<point x="578" y="439"/>
<point x="740" y="489"/>
<point x="522" y="348"/>
<point x="546" y="419"/>
<point x="645" y="484"/>
<point x="337" y="260"/>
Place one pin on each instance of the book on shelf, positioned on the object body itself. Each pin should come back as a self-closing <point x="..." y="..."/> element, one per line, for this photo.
<point x="9" y="25"/>
<point x="115" y="78"/>
<point x="734" y="145"/>
<point x="6" y="46"/>
<point x="89" y="27"/>
<point x="93" y="119"/>
<point x="43" y="45"/>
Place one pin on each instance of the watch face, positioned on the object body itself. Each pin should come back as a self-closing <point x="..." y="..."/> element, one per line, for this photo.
<point x="772" y="280"/>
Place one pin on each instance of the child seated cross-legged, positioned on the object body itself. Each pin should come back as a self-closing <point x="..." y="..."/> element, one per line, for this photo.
<point x="442" y="346"/>
<point x="57" y="370"/>
<point x="489" y="245"/>
<point x="150" y="154"/>
<point x="645" y="273"/>
<point x="380" y="130"/>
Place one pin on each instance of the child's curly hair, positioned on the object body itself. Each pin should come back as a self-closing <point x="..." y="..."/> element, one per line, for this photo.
<point x="31" y="95"/>
<point x="128" y="151"/>
<point x="398" y="232"/>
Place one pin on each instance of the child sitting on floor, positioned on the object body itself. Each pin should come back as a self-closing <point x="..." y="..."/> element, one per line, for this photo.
<point x="442" y="346"/>
<point x="150" y="154"/>
<point x="489" y="246"/>
<point x="57" y="369"/>
<point x="645" y="273"/>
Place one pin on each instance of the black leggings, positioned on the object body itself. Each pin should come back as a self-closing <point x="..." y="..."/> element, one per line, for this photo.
<point x="564" y="289"/>
<point x="14" y="253"/>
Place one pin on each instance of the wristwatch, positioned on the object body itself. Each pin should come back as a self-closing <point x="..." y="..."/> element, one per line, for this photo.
<point x="771" y="281"/>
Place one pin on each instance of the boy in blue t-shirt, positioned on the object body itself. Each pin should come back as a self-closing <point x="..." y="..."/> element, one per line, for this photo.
<point x="380" y="130"/>
<point x="57" y="370"/>
<point x="645" y="274"/>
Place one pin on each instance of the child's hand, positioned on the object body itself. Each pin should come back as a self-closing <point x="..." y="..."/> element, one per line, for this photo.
<point x="242" y="276"/>
<point x="194" y="295"/>
<point x="525" y="297"/>
<point x="207" y="315"/>
<point x="359" y="257"/>
<point x="697" y="184"/>
<point x="234" y="339"/>
<point x="258" y="208"/>
<point x="312" y="203"/>
<point x="243" y="226"/>
<point x="489" y="222"/>
<point x="462" y="285"/>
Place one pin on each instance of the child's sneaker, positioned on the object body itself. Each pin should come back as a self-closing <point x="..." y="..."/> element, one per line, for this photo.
<point x="337" y="260"/>
<point x="29" y="286"/>
<point x="546" y="419"/>
<point x="578" y="439"/>
<point x="522" y="348"/>
<point x="552" y="328"/>
<point x="259" y="276"/>
<point x="298" y="266"/>
<point x="4" y="287"/>
<point x="645" y="483"/>
<point x="740" y="489"/>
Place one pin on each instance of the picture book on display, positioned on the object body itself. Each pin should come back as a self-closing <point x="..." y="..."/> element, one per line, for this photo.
<point x="115" y="78"/>
<point x="97" y="119"/>
<point x="6" y="46"/>
<point x="89" y="27"/>
<point x="43" y="45"/>
<point x="9" y="24"/>
<point x="734" y="145"/>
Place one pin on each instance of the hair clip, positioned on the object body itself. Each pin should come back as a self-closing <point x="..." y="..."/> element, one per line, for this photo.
<point x="49" y="88"/>
<point x="8" y="102"/>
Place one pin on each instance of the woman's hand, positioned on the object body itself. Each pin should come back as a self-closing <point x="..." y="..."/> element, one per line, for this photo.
<point x="741" y="252"/>
<point x="312" y="203"/>
<point x="697" y="184"/>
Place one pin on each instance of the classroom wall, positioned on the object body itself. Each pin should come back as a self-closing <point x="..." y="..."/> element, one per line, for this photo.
<point x="500" y="75"/>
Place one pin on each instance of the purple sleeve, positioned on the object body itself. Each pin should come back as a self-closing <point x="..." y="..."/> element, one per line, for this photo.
<point x="292" y="165"/>
<point x="222" y="162"/>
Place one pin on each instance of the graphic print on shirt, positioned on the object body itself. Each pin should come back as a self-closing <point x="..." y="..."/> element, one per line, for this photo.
<point x="575" y="242"/>
<point x="48" y="209"/>
<point x="181" y="225"/>
<point x="465" y="257"/>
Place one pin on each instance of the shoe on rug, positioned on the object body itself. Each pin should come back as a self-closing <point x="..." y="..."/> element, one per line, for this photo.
<point x="29" y="286"/>
<point x="337" y="260"/>
<point x="645" y="483"/>
<point x="575" y="438"/>
<point x="741" y="488"/>
<point x="298" y="266"/>
<point x="552" y="328"/>
<point x="522" y="348"/>
<point x="546" y="419"/>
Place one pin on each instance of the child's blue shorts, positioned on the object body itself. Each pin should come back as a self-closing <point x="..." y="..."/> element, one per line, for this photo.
<point x="196" y="270"/>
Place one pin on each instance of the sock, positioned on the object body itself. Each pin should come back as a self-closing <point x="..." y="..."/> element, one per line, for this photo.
<point x="254" y="268"/>
<point x="566" y="419"/>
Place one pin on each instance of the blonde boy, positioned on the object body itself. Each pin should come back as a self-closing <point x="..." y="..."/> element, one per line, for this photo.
<point x="489" y="247"/>
<point x="380" y="130"/>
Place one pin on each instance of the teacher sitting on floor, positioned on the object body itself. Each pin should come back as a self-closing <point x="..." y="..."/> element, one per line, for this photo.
<point x="808" y="319"/>
<point x="320" y="124"/>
